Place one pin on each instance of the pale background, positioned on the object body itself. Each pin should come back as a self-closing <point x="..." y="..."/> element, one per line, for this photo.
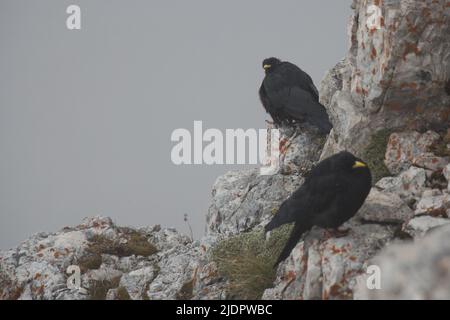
<point x="86" y="116"/>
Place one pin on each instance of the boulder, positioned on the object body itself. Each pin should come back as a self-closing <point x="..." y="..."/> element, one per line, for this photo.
<point x="407" y="148"/>
<point x="409" y="185"/>
<point x="114" y="263"/>
<point x="413" y="270"/>
<point x="419" y="226"/>
<point x="434" y="203"/>
<point x="384" y="207"/>
<point x="321" y="267"/>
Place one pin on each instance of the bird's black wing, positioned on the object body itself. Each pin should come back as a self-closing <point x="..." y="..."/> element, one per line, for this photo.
<point x="300" y="104"/>
<point x="304" y="207"/>
<point x="286" y="77"/>
<point x="263" y="97"/>
<point x="291" y="92"/>
<point x="273" y="91"/>
<point x="265" y="100"/>
<point x="296" y="77"/>
<point x="313" y="197"/>
<point x="293" y="209"/>
<point x="294" y="237"/>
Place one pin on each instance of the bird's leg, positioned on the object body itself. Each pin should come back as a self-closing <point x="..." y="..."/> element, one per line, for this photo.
<point x="285" y="146"/>
<point x="340" y="233"/>
<point x="336" y="233"/>
<point x="270" y="123"/>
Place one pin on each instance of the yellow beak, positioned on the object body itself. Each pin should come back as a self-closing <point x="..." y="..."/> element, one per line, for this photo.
<point x="266" y="66"/>
<point x="359" y="164"/>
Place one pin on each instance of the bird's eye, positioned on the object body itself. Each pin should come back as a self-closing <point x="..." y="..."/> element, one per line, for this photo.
<point x="267" y="66"/>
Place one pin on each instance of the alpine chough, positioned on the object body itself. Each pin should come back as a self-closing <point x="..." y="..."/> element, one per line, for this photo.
<point x="332" y="193"/>
<point x="288" y="94"/>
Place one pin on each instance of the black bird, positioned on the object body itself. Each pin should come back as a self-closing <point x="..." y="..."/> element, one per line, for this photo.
<point x="332" y="193"/>
<point x="288" y="94"/>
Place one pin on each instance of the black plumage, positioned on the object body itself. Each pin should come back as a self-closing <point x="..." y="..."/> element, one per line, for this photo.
<point x="332" y="193"/>
<point x="288" y="94"/>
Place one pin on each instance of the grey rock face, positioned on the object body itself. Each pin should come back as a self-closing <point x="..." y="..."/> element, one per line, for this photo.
<point x="393" y="79"/>
<point x="396" y="74"/>
<point x="384" y="207"/>
<point x="300" y="146"/>
<point x="209" y="284"/>
<point x="446" y="173"/>
<point x="407" y="148"/>
<point x="333" y="82"/>
<point x="111" y="261"/>
<point x="380" y="86"/>
<point x="409" y="185"/>
<point x="321" y="267"/>
<point x="419" y="226"/>
<point x="434" y="202"/>
<point x="419" y="270"/>
<point x="243" y="200"/>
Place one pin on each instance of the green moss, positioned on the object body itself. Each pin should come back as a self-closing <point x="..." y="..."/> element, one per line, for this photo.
<point x="374" y="155"/>
<point x="247" y="261"/>
<point x="137" y="244"/>
<point x="122" y="294"/>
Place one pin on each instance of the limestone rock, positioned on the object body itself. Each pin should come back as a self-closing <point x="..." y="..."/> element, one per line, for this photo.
<point x="300" y="146"/>
<point x="114" y="262"/>
<point x="446" y="173"/>
<point x="326" y="268"/>
<point x="431" y="162"/>
<point x="407" y="148"/>
<point x="434" y="203"/>
<point x="384" y="207"/>
<point x="413" y="270"/>
<point x="408" y="185"/>
<point x="243" y="200"/>
<point x="419" y="226"/>
<point x="396" y="75"/>
<point x="332" y="82"/>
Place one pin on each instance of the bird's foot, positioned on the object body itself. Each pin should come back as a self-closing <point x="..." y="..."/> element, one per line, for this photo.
<point x="285" y="144"/>
<point x="270" y="123"/>
<point x="336" y="233"/>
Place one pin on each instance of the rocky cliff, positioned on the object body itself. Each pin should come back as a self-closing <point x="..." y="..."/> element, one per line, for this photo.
<point x="389" y="101"/>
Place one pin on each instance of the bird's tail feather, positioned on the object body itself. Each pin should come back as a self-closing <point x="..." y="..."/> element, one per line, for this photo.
<point x="323" y="124"/>
<point x="274" y="223"/>
<point x="313" y="112"/>
<point x="296" y="233"/>
<point x="283" y="216"/>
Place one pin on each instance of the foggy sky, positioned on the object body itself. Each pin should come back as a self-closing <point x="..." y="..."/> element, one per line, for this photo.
<point x="86" y="116"/>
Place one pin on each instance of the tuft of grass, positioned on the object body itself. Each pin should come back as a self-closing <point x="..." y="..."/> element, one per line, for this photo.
<point x="137" y="244"/>
<point x="122" y="294"/>
<point x="247" y="261"/>
<point x="440" y="147"/>
<point x="187" y="291"/>
<point x="145" y="295"/>
<point x="8" y="289"/>
<point x="90" y="261"/>
<point x="98" y="289"/>
<point x="374" y="155"/>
